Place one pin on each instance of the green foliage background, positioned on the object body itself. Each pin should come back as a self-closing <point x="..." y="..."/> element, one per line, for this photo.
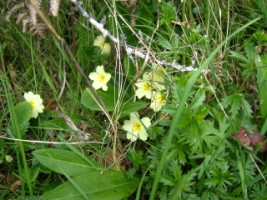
<point x="200" y="160"/>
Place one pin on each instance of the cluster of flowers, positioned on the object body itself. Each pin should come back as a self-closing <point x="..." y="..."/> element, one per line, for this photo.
<point x="135" y="127"/>
<point x="150" y="86"/>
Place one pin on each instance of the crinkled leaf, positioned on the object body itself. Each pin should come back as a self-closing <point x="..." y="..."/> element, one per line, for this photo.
<point x="65" y="162"/>
<point x="109" y="185"/>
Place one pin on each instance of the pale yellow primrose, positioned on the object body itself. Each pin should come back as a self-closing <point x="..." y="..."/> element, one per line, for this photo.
<point x="156" y="78"/>
<point x="151" y="81"/>
<point x="158" y="100"/>
<point x="36" y="103"/>
<point x="136" y="128"/>
<point x="100" y="78"/>
<point x="100" y="42"/>
<point x="143" y="88"/>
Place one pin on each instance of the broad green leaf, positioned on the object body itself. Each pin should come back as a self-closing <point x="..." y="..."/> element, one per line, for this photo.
<point x="109" y="185"/>
<point x="129" y="107"/>
<point x="108" y="97"/>
<point x="65" y="162"/>
<point x="22" y="114"/>
<point x="57" y="123"/>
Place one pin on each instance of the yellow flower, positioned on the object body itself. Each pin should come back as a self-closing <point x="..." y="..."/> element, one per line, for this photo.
<point x="158" y="100"/>
<point x="144" y="88"/>
<point x="100" y="78"/>
<point x="100" y="42"/>
<point x="36" y="103"/>
<point x="136" y="128"/>
<point x="156" y="77"/>
<point x="9" y="158"/>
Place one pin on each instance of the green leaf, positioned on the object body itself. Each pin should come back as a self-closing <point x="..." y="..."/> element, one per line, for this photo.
<point x="129" y="68"/>
<point x="198" y="99"/>
<point x="57" y="124"/>
<point x="239" y="57"/>
<point x="22" y="114"/>
<point x="65" y="162"/>
<point x="237" y="103"/>
<point x="262" y="86"/>
<point x="163" y="42"/>
<point x="130" y="107"/>
<point x="110" y="185"/>
<point x="108" y="97"/>
<point x="168" y="13"/>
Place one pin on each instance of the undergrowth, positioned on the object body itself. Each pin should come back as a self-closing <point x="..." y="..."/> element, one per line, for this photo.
<point x="118" y="125"/>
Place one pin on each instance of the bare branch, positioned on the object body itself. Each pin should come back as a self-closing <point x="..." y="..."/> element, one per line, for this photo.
<point x="129" y="50"/>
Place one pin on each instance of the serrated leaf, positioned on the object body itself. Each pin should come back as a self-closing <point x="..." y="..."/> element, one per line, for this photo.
<point x="198" y="99"/>
<point x="110" y="185"/>
<point x="165" y="43"/>
<point x="167" y="13"/>
<point x="65" y="162"/>
<point x="237" y="102"/>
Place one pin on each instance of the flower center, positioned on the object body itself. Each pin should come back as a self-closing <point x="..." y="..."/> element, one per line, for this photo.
<point x="101" y="78"/>
<point x="160" y="99"/>
<point x="32" y="104"/>
<point x="146" y="87"/>
<point x="137" y="126"/>
<point x="102" y="44"/>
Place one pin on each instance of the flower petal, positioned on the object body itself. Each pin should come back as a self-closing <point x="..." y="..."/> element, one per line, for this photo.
<point x="136" y="128"/>
<point x="36" y="102"/>
<point x="100" y="78"/>
<point x="146" y="122"/>
<point x="99" y="41"/>
<point x="143" y="135"/>
<point x="106" y="49"/>
<point x="93" y="76"/>
<point x="131" y="137"/>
